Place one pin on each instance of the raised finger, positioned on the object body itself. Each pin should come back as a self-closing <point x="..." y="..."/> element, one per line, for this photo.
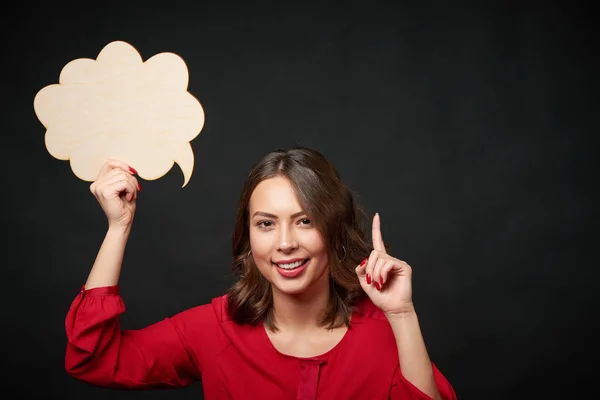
<point x="376" y="234"/>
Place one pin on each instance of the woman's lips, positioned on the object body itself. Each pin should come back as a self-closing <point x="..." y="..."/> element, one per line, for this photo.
<point x="292" y="273"/>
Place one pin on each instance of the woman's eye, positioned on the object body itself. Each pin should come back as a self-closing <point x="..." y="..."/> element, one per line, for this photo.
<point x="264" y="224"/>
<point x="305" y="221"/>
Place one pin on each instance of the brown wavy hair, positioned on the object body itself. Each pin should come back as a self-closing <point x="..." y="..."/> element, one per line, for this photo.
<point x="334" y="211"/>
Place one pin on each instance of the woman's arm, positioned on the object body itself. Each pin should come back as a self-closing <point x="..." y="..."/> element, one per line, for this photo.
<point x="415" y="364"/>
<point x="107" y="266"/>
<point x="388" y="282"/>
<point x="99" y="352"/>
<point x="116" y="190"/>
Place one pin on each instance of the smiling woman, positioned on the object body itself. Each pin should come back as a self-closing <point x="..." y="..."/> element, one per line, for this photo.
<point x="304" y="315"/>
<point x="294" y="206"/>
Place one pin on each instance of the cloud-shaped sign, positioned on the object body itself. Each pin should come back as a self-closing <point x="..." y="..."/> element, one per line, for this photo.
<point x="120" y="107"/>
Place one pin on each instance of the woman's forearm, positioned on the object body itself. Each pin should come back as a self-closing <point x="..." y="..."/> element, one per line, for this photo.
<point x="107" y="266"/>
<point x="415" y="364"/>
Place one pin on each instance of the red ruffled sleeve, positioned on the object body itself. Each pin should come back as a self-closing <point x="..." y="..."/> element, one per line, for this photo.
<point x="403" y="389"/>
<point x="100" y="353"/>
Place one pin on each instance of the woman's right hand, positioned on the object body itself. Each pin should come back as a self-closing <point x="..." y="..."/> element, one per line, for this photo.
<point x="116" y="189"/>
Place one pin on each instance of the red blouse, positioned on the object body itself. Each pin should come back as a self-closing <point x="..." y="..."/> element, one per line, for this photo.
<point x="232" y="361"/>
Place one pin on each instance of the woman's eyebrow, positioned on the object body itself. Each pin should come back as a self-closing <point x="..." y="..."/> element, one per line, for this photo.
<point x="269" y="215"/>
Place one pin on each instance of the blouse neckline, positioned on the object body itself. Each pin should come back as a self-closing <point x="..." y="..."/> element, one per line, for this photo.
<point x="320" y="357"/>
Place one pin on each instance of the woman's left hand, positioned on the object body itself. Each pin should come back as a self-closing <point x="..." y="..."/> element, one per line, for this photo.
<point x="386" y="280"/>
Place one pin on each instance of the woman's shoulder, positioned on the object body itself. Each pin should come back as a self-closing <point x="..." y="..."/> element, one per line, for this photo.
<point x="219" y="306"/>
<point x="213" y="312"/>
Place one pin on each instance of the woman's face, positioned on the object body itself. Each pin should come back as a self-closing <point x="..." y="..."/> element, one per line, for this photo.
<point x="287" y="249"/>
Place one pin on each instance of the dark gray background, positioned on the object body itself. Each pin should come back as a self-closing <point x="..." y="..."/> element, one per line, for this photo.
<point x="468" y="127"/>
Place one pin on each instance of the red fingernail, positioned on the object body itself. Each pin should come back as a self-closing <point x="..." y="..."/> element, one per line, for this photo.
<point x="133" y="171"/>
<point x="368" y="279"/>
<point x="139" y="187"/>
<point x="381" y="280"/>
<point x="377" y="286"/>
<point x="363" y="262"/>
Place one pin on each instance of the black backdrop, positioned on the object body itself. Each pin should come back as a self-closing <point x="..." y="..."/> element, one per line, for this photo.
<point x="467" y="127"/>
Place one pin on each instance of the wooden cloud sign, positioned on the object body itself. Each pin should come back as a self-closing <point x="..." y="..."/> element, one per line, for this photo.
<point x="118" y="106"/>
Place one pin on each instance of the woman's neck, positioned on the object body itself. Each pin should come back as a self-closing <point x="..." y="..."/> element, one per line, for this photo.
<point x="300" y="312"/>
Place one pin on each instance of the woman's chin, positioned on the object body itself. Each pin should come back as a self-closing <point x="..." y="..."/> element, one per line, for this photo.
<point x="298" y="287"/>
<point x="290" y="288"/>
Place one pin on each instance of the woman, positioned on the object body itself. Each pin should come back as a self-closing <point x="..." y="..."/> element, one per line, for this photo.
<point x="317" y="312"/>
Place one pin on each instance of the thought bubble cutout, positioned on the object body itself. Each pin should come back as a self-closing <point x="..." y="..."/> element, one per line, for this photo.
<point x="120" y="107"/>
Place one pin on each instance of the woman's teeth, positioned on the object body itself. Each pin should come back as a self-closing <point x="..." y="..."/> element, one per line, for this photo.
<point x="292" y="265"/>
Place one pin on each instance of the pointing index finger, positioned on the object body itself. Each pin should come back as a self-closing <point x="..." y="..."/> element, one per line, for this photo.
<point x="376" y="234"/>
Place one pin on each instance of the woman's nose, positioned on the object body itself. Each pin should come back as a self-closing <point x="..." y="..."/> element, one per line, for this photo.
<point x="286" y="241"/>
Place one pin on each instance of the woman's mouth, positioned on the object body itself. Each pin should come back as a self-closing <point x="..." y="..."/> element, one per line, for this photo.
<point x="292" y="269"/>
